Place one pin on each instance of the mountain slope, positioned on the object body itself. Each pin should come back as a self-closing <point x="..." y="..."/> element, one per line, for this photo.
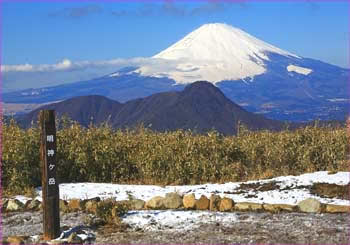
<point x="83" y="109"/>
<point x="122" y="88"/>
<point x="200" y="107"/>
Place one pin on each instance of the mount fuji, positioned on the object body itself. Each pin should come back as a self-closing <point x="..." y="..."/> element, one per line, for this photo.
<point x="254" y="74"/>
<point x="214" y="52"/>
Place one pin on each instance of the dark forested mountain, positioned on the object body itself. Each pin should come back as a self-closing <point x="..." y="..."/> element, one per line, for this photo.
<point x="200" y="107"/>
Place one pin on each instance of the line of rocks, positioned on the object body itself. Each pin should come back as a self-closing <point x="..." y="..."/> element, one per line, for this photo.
<point x="95" y="206"/>
<point x="176" y="201"/>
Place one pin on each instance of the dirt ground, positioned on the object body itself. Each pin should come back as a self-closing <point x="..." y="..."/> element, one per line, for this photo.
<point x="250" y="228"/>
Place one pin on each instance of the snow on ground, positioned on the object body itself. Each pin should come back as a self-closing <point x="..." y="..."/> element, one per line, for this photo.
<point x="290" y="190"/>
<point x="145" y="192"/>
<point x="175" y="219"/>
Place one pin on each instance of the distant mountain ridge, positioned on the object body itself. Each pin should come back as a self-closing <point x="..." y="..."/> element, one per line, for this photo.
<point x="200" y="107"/>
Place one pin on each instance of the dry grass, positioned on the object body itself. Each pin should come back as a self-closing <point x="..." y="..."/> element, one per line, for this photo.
<point x="101" y="154"/>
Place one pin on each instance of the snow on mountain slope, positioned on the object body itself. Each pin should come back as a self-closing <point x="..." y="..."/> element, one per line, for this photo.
<point x="298" y="69"/>
<point x="213" y="52"/>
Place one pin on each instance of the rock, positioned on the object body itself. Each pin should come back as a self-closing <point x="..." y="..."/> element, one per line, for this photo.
<point x="137" y="204"/>
<point x="97" y="199"/>
<point x="271" y="208"/>
<point x="332" y="208"/>
<point x="287" y="207"/>
<point x="91" y="206"/>
<point x="202" y="203"/>
<point x="74" y="205"/>
<point x="242" y="206"/>
<point x="248" y="206"/>
<point x="155" y="203"/>
<point x="310" y="205"/>
<point x="14" y="205"/>
<point x="256" y="207"/>
<point x="226" y="204"/>
<point x="214" y="202"/>
<point x="172" y="201"/>
<point x="33" y="205"/>
<point x="74" y="239"/>
<point x="275" y="208"/>
<point x="133" y="204"/>
<point x="189" y="201"/>
<point x="63" y="206"/>
<point x="17" y="239"/>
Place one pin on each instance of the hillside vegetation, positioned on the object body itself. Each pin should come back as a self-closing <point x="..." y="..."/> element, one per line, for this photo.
<point x="141" y="156"/>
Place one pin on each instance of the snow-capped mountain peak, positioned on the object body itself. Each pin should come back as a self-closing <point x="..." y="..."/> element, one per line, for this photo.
<point x="218" y="41"/>
<point x="213" y="52"/>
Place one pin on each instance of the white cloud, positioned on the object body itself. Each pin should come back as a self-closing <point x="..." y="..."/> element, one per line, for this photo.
<point x="68" y="65"/>
<point x="24" y="76"/>
<point x="63" y="65"/>
<point x="25" y="67"/>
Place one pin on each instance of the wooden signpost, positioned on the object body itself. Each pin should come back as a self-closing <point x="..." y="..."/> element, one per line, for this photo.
<point x="50" y="190"/>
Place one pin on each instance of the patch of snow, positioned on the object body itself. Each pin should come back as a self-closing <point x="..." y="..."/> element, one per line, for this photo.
<point x="83" y="237"/>
<point x="339" y="178"/>
<point x="299" y="69"/>
<point x="30" y="93"/>
<point x="115" y="74"/>
<point x="214" y="52"/>
<point x="338" y="100"/>
<point x="282" y="195"/>
<point x="154" y="220"/>
<point x="24" y="199"/>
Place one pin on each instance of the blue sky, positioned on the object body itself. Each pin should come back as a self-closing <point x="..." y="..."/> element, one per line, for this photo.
<point x="44" y="32"/>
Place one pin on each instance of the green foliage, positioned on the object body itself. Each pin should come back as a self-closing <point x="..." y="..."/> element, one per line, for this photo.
<point x="102" y="154"/>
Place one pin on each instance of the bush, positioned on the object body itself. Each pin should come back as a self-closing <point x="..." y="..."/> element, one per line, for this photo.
<point x="102" y="154"/>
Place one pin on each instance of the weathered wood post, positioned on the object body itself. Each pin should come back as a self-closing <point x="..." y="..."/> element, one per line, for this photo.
<point x="50" y="190"/>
